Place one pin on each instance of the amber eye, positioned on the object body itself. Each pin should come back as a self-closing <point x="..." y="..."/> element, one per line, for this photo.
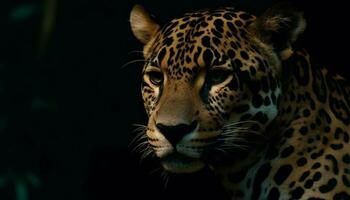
<point x="155" y="77"/>
<point x="216" y="76"/>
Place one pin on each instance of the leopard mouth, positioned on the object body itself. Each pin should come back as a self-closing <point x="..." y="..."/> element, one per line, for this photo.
<point x="178" y="163"/>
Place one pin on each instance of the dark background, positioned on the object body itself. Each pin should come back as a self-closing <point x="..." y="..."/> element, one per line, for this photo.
<point x="67" y="107"/>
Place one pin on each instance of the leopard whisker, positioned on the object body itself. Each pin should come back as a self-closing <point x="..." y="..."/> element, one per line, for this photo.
<point x="133" y="61"/>
<point x="146" y="152"/>
<point x="139" y="136"/>
<point x="242" y="122"/>
<point x="135" y="51"/>
<point x="165" y="176"/>
<point x="228" y="132"/>
<point x="141" y="144"/>
<point x="156" y="170"/>
<point x="241" y="147"/>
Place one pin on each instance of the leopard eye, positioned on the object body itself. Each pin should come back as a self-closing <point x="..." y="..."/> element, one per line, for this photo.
<point x="155" y="77"/>
<point x="216" y="76"/>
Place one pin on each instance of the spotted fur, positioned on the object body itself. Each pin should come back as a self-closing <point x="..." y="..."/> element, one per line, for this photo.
<point x="225" y="89"/>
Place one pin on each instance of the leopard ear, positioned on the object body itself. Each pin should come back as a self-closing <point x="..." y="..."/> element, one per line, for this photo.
<point x="143" y="27"/>
<point x="279" y="27"/>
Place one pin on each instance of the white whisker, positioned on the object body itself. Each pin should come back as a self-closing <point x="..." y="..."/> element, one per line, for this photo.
<point x="133" y="61"/>
<point x="158" y="169"/>
<point x="165" y="176"/>
<point x="135" y="51"/>
<point x="242" y="122"/>
<point x="140" y="136"/>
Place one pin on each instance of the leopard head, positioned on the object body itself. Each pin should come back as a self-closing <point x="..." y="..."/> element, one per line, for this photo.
<point x="211" y="81"/>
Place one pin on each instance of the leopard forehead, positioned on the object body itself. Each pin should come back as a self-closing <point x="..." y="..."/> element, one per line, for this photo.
<point x="204" y="39"/>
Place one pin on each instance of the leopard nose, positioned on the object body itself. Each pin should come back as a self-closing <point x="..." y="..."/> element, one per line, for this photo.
<point x="175" y="133"/>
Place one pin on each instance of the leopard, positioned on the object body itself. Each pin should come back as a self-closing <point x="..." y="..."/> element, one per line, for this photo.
<point x="230" y="91"/>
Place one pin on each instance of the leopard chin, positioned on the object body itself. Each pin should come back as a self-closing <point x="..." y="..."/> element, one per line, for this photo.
<point x="179" y="164"/>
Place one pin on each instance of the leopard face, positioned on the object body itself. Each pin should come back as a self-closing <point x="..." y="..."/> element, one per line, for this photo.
<point x="211" y="82"/>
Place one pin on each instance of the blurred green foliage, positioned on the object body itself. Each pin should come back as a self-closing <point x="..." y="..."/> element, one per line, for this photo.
<point x="23" y="12"/>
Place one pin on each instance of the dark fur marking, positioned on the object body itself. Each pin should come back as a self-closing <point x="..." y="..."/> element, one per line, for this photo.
<point x="274" y="194"/>
<point x="329" y="186"/>
<point x="282" y="174"/>
<point x="334" y="163"/>
<point x="261" y="175"/>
